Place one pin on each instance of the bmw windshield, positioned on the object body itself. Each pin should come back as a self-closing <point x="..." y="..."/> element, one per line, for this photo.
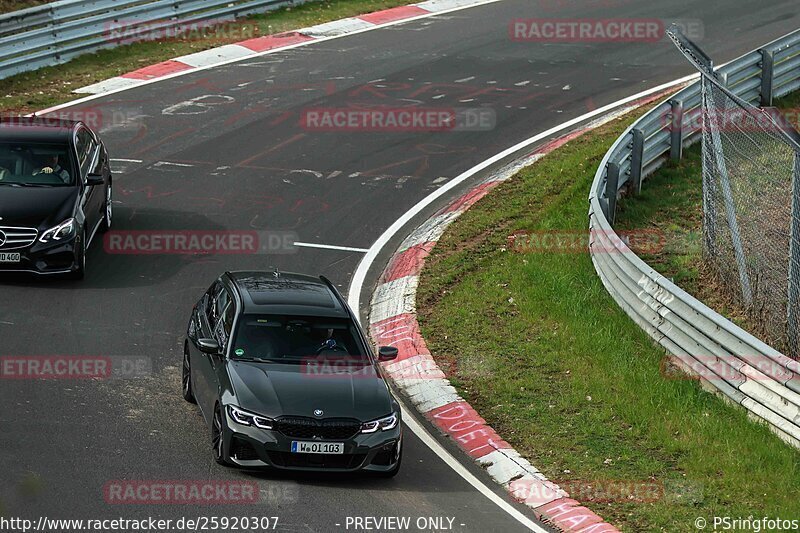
<point x="35" y="165"/>
<point x="293" y="339"/>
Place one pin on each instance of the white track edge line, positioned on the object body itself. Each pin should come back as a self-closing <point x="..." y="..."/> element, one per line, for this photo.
<point x="354" y="295"/>
<point x="356" y="285"/>
<point x="410" y="420"/>
<point x="330" y="247"/>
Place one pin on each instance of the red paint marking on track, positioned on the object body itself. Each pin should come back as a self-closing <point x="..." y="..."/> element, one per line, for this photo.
<point x="148" y="190"/>
<point x="422" y="166"/>
<point x="271" y="149"/>
<point x="408" y="263"/>
<point x="464" y="424"/>
<point x="158" y="70"/>
<point x="244" y="113"/>
<point x="270" y="42"/>
<point x="283" y="117"/>
<point x="395" y="13"/>
<point x="469" y="199"/>
<point x="165" y="139"/>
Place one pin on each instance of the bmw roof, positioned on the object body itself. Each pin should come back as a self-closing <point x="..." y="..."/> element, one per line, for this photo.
<point x="285" y="293"/>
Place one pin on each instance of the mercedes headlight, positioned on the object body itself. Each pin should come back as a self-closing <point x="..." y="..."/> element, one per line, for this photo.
<point x="63" y="231"/>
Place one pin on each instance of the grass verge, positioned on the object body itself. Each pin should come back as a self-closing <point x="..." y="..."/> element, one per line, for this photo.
<point x="540" y="349"/>
<point x="31" y="91"/>
<point x="7" y="6"/>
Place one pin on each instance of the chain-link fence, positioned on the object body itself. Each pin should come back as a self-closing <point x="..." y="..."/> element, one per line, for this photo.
<point x="751" y="203"/>
<point x="749" y="164"/>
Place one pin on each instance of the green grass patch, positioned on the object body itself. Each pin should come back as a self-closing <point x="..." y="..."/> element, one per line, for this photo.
<point x="540" y="349"/>
<point x="31" y="91"/>
<point x="7" y="6"/>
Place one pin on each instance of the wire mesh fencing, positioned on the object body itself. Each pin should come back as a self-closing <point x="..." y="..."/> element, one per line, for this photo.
<point x="751" y="204"/>
<point x="750" y="170"/>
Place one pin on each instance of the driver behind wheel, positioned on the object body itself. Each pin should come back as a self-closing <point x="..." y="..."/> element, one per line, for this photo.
<point x="49" y="165"/>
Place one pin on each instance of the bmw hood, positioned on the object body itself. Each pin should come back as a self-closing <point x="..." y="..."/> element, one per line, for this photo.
<point x="36" y="207"/>
<point x="276" y="390"/>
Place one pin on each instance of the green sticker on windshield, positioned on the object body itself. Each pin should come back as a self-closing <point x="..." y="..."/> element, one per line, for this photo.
<point x="239" y="352"/>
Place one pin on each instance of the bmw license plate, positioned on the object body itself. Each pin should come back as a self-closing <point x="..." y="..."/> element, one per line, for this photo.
<point x="9" y="258"/>
<point x="336" y="448"/>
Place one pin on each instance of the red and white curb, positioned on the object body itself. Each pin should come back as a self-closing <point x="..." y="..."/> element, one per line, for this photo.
<point x="393" y="322"/>
<point x="260" y="45"/>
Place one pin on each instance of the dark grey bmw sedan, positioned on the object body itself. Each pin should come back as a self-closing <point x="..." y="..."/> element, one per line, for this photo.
<point x="285" y="377"/>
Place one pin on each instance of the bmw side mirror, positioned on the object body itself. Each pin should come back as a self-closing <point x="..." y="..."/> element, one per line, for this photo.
<point x="209" y="346"/>
<point x="387" y="353"/>
<point x="95" y="179"/>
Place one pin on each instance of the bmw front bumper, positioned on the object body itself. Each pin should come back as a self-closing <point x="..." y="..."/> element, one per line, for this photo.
<point x="251" y="447"/>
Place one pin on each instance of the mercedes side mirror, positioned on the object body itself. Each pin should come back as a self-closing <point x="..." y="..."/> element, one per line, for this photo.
<point x="95" y="179"/>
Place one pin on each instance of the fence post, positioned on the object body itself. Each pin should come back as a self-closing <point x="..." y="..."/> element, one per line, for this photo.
<point x="676" y="130"/>
<point x="637" y="160"/>
<point x="767" y="76"/>
<point x="793" y="300"/>
<point x="612" y="185"/>
<point x="718" y="155"/>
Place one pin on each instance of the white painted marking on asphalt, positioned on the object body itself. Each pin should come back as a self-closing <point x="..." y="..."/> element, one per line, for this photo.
<point x="126" y="160"/>
<point x="170" y="164"/>
<point x="432" y="13"/>
<point x="464" y="80"/>
<point x="330" y="247"/>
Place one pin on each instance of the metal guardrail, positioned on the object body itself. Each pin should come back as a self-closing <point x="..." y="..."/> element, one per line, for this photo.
<point x="728" y="360"/>
<point x="54" y="33"/>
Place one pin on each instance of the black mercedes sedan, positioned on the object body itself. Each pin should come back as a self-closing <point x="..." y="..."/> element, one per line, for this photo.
<point x="285" y="377"/>
<point x="55" y="195"/>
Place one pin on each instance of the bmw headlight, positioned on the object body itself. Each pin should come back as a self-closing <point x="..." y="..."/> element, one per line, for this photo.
<point x="63" y="231"/>
<point x="383" y="424"/>
<point x="240" y="416"/>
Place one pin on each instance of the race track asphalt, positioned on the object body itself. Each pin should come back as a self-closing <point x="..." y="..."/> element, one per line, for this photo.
<point x="224" y="149"/>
